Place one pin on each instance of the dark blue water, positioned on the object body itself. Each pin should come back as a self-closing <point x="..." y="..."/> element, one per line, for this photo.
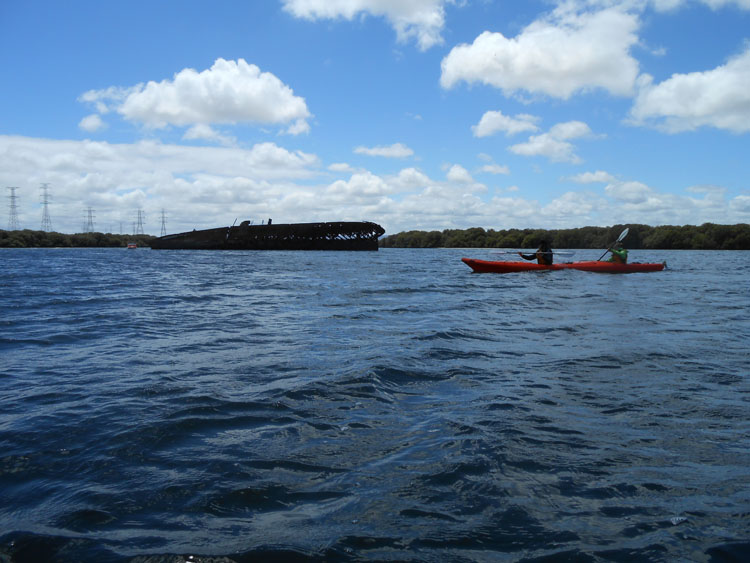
<point x="371" y="406"/>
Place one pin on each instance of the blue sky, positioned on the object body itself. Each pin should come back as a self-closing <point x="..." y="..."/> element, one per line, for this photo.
<point x="416" y="114"/>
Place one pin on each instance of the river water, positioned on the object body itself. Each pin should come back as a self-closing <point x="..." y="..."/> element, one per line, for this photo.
<point x="392" y="405"/>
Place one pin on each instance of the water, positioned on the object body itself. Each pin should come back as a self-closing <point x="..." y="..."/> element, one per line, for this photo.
<point x="371" y="406"/>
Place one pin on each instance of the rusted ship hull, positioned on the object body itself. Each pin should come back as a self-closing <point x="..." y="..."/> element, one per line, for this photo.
<point x="361" y="235"/>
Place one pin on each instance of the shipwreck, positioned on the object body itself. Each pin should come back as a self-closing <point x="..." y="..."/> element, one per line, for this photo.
<point x="353" y="235"/>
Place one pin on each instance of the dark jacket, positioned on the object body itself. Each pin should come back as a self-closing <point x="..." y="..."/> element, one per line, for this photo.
<point x="542" y="256"/>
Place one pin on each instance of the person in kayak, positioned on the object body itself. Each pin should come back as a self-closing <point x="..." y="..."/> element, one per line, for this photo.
<point x="543" y="254"/>
<point x="619" y="254"/>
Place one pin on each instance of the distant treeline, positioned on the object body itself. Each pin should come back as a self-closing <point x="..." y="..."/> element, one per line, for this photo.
<point x="43" y="239"/>
<point x="708" y="236"/>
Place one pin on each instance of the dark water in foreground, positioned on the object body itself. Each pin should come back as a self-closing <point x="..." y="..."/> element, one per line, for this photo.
<point x="371" y="406"/>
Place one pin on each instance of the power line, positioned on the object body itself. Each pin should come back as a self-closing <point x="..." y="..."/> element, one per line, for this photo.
<point x="46" y="221"/>
<point x="163" y="223"/>
<point x="13" y="210"/>
<point x="89" y="224"/>
<point x="139" y="226"/>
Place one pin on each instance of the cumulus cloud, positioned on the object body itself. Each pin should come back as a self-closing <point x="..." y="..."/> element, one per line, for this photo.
<point x="198" y="185"/>
<point x="206" y="132"/>
<point x="567" y="51"/>
<point x="717" y="98"/>
<point x="494" y="121"/>
<point x="421" y="20"/>
<point x="202" y="187"/>
<point x="411" y="178"/>
<point x="458" y="174"/>
<point x="554" y="144"/>
<point x="581" y="205"/>
<point x="396" y="150"/>
<point x="340" y="167"/>
<point x="707" y="189"/>
<point x="593" y="177"/>
<point x="495" y="169"/>
<point x="91" y="123"/>
<point x="107" y="99"/>
<point x="229" y="92"/>
<point x="630" y="192"/>
<point x="740" y="204"/>
<point x="360" y="185"/>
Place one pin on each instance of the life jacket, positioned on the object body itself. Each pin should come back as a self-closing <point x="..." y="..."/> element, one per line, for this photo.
<point x="544" y="257"/>
<point x="619" y="256"/>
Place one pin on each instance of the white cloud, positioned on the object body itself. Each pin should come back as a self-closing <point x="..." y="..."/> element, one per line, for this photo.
<point x="205" y="132"/>
<point x="396" y="150"/>
<point x="564" y="53"/>
<point x="92" y="123"/>
<point x="546" y="145"/>
<point x="229" y="92"/>
<point x="107" y="99"/>
<point x="741" y="204"/>
<point x="340" y="167"/>
<point x="459" y="174"/>
<point x="570" y="130"/>
<point x="630" y="192"/>
<point x="716" y="4"/>
<point x="593" y="177"/>
<point x="494" y="121"/>
<point x="581" y="205"/>
<point x="203" y="187"/>
<point x="361" y="186"/>
<point x="668" y="5"/>
<point x="422" y="20"/>
<point x="706" y="189"/>
<point x="554" y="144"/>
<point x="411" y="178"/>
<point x="495" y="169"/>
<point x="717" y="98"/>
<point x="197" y="185"/>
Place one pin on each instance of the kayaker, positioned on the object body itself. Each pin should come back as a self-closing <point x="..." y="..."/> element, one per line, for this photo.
<point x="543" y="254"/>
<point x="619" y="254"/>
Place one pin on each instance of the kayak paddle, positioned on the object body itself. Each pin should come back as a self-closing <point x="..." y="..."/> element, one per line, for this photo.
<point x="619" y="239"/>
<point x="556" y="252"/>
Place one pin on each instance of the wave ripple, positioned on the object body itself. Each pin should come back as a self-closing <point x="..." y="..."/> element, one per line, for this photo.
<point x="245" y="406"/>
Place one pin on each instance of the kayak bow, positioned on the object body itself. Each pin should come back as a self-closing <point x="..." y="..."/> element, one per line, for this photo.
<point x="488" y="266"/>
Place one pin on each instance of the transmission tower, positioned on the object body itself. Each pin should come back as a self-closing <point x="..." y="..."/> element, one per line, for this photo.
<point x="46" y="221"/>
<point x="139" y="226"/>
<point x="89" y="225"/>
<point x="163" y="223"/>
<point x="13" y="210"/>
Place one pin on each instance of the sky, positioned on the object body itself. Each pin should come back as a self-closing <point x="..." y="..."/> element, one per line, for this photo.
<point x="414" y="114"/>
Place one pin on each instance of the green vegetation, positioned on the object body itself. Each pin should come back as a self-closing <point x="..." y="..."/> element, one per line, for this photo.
<point x="37" y="239"/>
<point x="708" y="236"/>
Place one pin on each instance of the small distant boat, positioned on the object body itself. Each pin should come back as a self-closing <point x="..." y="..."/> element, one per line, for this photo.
<point x="132" y="246"/>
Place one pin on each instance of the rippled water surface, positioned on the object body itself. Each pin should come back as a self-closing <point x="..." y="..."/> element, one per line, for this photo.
<point x="371" y="406"/>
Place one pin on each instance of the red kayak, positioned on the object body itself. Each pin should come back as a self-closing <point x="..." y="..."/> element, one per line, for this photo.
<point x="591" y="266"/>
